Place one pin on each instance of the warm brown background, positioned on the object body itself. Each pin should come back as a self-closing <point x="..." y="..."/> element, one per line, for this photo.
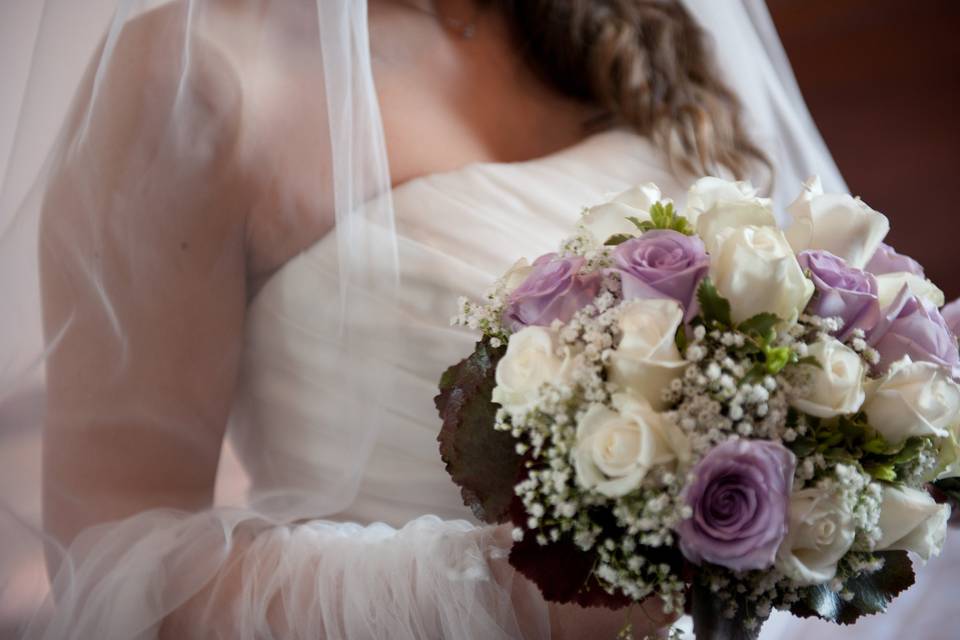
<point x="882" y="79"/>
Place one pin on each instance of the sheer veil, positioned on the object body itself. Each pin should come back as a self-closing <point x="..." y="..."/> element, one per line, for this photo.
<point x="143" y="123"/>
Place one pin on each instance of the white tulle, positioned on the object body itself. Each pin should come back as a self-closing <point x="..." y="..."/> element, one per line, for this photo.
<point x="257" y="579"/>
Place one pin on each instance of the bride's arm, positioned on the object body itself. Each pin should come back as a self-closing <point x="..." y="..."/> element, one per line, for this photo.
<point x="143" y="284"/>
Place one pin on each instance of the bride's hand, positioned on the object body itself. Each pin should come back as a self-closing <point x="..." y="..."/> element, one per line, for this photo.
<point x="569" y="621"/>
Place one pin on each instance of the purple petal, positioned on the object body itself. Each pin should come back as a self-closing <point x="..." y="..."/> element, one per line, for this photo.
<point x="887" y="260"/>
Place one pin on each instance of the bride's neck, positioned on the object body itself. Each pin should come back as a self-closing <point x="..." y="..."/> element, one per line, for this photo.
<point x="482" y="80"/>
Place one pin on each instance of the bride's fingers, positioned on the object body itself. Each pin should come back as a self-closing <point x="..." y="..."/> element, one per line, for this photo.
<point x="649" y="617"/>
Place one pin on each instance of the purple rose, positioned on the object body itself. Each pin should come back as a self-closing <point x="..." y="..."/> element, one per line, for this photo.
<point x="914" y="327"/>
<point x="887" y="260"/>
<point x="662" y="264"/>
<point x="740" y="497"/>
<point x="554" y="290"/>
<point x="951" y="314"/>
<point x="842" y="292"/>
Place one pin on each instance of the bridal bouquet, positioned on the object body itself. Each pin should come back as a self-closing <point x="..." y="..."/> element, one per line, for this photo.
<point x="710" y="410"/>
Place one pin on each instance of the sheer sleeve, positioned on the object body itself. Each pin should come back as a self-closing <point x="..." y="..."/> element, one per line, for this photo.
<point x="231" y="574"/>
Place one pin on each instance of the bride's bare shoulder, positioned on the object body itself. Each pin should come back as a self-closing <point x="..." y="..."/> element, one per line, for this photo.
<point x="156" y="88"/>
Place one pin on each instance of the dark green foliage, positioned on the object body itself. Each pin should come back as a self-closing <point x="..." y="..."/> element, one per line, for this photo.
<point x="714" y="308"/>
<point x="618" y="238"/>
<point x="481" y="460"/>
<point x="760" y="326"/>
<point x="872" y="592"/>
<point x="563" y="572"/>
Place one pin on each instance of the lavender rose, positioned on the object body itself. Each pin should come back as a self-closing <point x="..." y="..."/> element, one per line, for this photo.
<point x="740" y="498"/>
<point x="951" y="313"/>
<point x="887" y="260"/>
<point x="662" y="264"/>
<point x="842" y="292"/>
<point x="554" y="290"/>
<point x="914" y="327"/>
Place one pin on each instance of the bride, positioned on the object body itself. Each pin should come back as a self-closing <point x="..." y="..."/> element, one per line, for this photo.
<point x="249" y="235"/>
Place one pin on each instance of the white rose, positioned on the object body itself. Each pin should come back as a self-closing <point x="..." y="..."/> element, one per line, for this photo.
<point x="714" y="204"/>
<point x="646" y="359"/>
<point x="610" y="218"/>
<point x="912" y="399"/>
<point x="839" y="223"/>
<point x="516" y="275"/>
<point x="949" y="455"/>
<point x="755" y="269"/>
<point x="530" y="362"/>
<point x="890" y="284"/>
<point x="820" y="532"/>
<point x="616" y="449"/>
<point x="706" y="193"/>
<point x="910" y="520"/>
<point x="836" y="386"/>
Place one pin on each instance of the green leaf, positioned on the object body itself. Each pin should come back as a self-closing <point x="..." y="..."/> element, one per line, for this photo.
<point x="709" y="623"/>
<point x="850" y="430"/>
<point x="647" y="226"/>
<point x="661" y="215"/>
<point x="760" y="325"/>
<point x="872" y="592"/>
<point x="714" y="308"/>
<point x="777" y="358"/>
<point x="756" y="373"/>
<point x="911" y="449"/>
<point x="682" y="225"/>
<point x="881" y="471"/>
<point x="563" y="572"/>
<point x="681" y="339"/>
<point x="876" y="445"/>
<point x="803" y="448"/>
<point x="618" y="238"/>
<point x="840" y="454"/>
<point x="833" y="439"/>
<point x="481" y="460"/>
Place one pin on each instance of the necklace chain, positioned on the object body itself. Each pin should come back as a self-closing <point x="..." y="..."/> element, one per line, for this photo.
<point x="464" y="28"/>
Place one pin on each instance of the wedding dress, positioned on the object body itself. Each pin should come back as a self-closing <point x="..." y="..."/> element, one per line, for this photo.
<point x="352" y="528"/>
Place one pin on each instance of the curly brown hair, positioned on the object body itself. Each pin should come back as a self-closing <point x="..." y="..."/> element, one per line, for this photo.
<point x="649" y="64"/>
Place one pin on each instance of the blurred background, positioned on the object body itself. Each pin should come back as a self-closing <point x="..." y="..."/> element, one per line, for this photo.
<point x="881" y="78"/>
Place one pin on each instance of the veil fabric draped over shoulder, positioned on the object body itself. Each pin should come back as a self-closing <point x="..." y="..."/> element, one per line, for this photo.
<point x="150" y="134"/>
